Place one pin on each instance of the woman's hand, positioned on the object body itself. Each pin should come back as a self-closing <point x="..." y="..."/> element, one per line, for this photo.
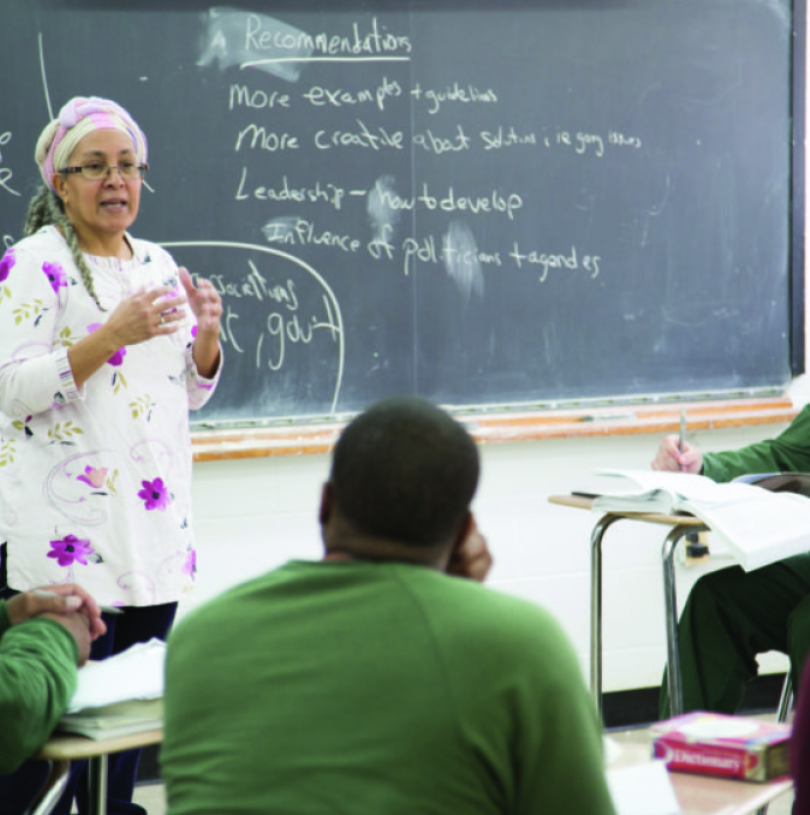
<point x="146" y="314"/>
<point x="206" y="304"/>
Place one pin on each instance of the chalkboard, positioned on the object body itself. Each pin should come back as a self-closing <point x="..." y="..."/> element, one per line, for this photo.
<point x="487" y="204"/>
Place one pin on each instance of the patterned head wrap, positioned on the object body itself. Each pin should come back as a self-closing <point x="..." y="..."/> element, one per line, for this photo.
<point x="80" y="116"/>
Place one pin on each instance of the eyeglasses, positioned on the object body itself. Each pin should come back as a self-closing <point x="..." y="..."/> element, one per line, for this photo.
<point x="96" y="170"/>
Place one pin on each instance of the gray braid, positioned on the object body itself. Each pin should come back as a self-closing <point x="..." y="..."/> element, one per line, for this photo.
<point x="46" y="208"/>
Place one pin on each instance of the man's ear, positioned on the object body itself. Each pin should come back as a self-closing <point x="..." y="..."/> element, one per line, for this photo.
<point x="327" y="504"/>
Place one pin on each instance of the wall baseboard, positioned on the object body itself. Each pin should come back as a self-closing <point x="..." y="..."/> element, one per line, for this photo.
<point x="639" y="707"/>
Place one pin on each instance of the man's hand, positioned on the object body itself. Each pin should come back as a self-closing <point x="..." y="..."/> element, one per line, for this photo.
<point x="64" y="598"/>
<point x="79" y="627"/>
<point x="669" y="458"/>
<point x="472" y="558"/>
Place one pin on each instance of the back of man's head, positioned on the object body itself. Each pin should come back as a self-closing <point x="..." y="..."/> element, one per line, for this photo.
<point x="406" y="471"/>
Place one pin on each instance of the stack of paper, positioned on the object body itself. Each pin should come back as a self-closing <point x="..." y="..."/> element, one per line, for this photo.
<point x="111" y="721"/>
<point x="120" y="695"/>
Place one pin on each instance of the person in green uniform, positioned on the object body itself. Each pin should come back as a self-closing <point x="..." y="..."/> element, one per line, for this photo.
<point x="43" y="638"/>
<point x="732" y="615"/>
<point x="382" y="679"/>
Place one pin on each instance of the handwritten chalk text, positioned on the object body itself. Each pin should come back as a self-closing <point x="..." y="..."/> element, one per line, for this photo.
<point x="376" y="41"/>
<point x="304" y="233"/>
<point x="547" y="261"/>
<point x="5" y="172"/>
<point x="285" y="328"/>
<point x="425" y="251"/>
<point x="362" y="137"/>
<point x="242" y="96"/>
<point x="451" y="201"/>
<point x="438" y="144"/>
<point x="338" y="97"/>
<point x="326" y="193"/>
<point x="508" y="138"/>
<point x="266" y="140"/>
<point x="453" y="93"/>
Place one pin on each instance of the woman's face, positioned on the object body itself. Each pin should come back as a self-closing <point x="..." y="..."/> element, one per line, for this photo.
<point x="106" y="207"/>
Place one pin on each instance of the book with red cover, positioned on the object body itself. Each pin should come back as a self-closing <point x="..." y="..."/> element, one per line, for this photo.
<point x="723" y="745"/>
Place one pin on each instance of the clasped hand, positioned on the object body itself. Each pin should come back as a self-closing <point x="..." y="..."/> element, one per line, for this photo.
<point x="67" y="604"/>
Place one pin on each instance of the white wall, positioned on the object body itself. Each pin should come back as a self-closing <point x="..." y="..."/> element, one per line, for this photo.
<point x="254" y="514"/>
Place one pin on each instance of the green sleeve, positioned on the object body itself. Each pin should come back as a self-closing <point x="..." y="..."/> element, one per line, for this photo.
<point x="38" y="675"/>
<point x="788" y="452"/>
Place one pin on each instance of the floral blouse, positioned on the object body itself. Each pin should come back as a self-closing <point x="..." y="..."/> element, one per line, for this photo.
<point x="94" y="482"/>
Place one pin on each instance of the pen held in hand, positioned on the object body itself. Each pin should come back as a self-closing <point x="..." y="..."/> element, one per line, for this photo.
<point x="106" y="609"/>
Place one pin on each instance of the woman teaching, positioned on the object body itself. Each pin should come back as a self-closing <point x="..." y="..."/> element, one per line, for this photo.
<point x="105" y="345"/>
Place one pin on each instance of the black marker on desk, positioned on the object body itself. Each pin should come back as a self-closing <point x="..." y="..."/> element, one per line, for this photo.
<point x="106" y="609"/>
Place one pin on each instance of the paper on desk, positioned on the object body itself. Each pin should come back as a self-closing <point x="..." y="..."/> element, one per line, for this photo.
<point x="136" y="673"/>
<point x="611" y="750"/>
<point x="642" y="789"/>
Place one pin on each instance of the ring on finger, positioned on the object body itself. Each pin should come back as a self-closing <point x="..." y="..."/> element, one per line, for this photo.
<point x="162" y="322"/>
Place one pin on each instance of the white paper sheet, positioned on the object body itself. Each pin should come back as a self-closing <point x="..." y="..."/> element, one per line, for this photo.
<point x="642" y="789"/>
<point x="136" y="673"/>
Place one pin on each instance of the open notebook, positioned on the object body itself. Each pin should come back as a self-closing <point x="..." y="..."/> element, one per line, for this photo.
<point x="758" y="526"/>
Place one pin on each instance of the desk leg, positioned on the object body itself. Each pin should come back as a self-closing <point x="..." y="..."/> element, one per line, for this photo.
<point x="97" y="769"/>
<point x="596" y="607"/>
<point x="53" y="789"/>
<point x="671" y="610"/>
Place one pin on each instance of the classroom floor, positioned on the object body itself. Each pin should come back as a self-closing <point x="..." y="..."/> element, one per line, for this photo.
<point x="151" y="796"/>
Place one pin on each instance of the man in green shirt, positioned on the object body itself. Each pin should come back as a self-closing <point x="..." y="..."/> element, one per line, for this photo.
<point x="380" y="680"/>
<point x="43" y="638"/>
<point x="732" y="615"/>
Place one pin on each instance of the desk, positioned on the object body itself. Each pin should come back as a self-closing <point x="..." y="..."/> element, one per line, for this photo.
<point x="680" y="526"/>
<point x="63" y="748"/>
<point x="710" y="795"/>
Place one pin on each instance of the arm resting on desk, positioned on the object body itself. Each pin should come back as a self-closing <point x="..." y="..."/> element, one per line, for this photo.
<point x="38" y="676"/>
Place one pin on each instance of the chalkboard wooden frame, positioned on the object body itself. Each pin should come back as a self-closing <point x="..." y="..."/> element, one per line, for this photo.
<point x="442" y="345"/>
<point x="497" y="428"/>
<point x="798" y="340"/>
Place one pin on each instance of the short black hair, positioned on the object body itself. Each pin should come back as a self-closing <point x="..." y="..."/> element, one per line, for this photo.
<point x="405" y="470"/>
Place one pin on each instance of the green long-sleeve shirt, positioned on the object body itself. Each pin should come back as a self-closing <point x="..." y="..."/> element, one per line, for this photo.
<point x="38" y="675"/>
<point x="789" y="452"/>
<point x="358" y="687"/>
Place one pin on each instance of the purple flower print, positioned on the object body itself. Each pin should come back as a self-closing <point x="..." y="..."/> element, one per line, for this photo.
<point x="56" y="275"/>
<point x="118" y="357"/>
<point x="92" y="477"/>
<point x="5" y="264"/>
<point x="190" y="566"/>
<point x="155" y="495"/>
<point x="70" y="550"/>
